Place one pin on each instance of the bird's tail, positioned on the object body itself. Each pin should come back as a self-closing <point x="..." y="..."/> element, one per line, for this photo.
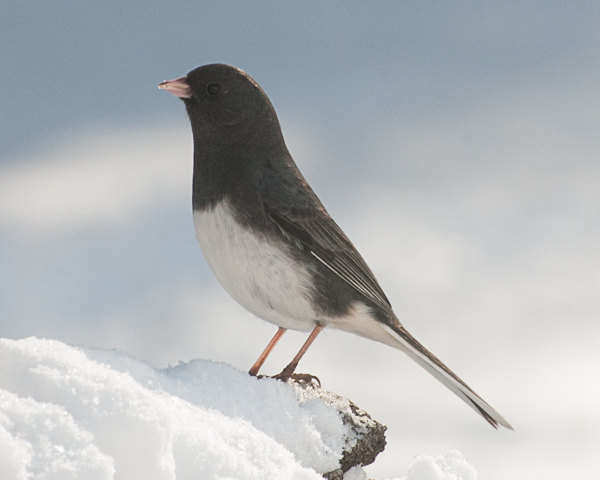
<point x="433" y="365"/>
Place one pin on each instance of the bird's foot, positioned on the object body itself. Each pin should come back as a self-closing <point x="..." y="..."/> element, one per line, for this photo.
<point x="288" y="374"/>
<point x="306" y="379"/>
<point x="299" y="378"/>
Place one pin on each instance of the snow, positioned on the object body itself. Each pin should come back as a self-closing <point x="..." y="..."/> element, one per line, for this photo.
<point x="80" y="413"/>
<point x="452" y="466"/>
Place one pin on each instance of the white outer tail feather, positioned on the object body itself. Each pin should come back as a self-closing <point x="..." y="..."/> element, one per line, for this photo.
<point x="435" y="367"/>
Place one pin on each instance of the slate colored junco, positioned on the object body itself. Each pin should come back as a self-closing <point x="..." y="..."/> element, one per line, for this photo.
<point x="267" y="237"/>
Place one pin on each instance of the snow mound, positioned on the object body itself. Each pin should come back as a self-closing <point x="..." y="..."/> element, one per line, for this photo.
<point x="81" y="413"/>
<point x="452" y="466"/>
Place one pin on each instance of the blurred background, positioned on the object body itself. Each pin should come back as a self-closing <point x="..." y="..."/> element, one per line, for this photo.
<point x="456" y="143"/>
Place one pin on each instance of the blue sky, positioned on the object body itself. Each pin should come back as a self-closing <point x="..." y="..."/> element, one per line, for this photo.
<point x="69" y="63"/>
<point x="456" y="144"/>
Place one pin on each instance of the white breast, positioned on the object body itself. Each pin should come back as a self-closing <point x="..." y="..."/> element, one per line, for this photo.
<point x="256" y="273"/>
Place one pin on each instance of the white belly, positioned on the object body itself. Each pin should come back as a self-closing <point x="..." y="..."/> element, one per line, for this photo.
<point x="258" y="275"/>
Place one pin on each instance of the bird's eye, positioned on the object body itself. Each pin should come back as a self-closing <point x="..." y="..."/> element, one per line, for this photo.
<point x="213" y="88"/>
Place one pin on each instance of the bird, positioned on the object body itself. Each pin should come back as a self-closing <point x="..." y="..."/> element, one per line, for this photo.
<point x="267" y="237"/>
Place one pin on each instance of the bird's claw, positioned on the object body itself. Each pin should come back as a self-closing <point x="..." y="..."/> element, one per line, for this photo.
<point x="299" y="378"/>
<point x="306" y="379"/>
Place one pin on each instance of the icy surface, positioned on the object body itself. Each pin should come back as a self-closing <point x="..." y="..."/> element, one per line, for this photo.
<point x="76" y="413"/>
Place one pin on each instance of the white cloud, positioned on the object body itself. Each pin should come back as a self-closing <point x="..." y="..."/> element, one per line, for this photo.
<point x="104" y="176"/>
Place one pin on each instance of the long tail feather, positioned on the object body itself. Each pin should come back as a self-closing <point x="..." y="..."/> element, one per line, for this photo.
<point x="433" y="365"/>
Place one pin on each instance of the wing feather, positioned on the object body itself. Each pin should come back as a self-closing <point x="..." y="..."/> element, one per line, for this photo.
<point x="316" y="231"/>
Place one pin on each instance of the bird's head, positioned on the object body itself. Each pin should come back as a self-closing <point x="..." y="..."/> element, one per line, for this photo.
<point x="220" y="96"/>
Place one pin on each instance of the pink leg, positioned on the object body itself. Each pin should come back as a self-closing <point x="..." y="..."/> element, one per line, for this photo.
<point x="263" y="356"/>
<point x="287" y="372"/>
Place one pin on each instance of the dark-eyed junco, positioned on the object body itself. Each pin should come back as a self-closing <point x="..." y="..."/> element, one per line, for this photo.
<point x="267" y="237"/>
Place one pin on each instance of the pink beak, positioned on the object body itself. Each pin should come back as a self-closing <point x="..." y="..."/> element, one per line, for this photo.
<point x="178" y="87"/>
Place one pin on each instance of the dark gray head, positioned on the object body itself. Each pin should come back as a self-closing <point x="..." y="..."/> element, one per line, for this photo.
<point x="220" y="99"/>
<point x="237" y="137"/>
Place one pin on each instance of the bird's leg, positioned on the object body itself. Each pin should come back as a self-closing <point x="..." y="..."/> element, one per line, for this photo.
<point x="263" y="356"/>
<point x="287" y="372"/>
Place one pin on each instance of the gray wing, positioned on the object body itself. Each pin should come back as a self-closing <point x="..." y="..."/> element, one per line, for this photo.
<point x="314" y="230"/>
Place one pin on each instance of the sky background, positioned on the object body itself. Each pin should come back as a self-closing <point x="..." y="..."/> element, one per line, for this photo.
<point x="456" y="143"/>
